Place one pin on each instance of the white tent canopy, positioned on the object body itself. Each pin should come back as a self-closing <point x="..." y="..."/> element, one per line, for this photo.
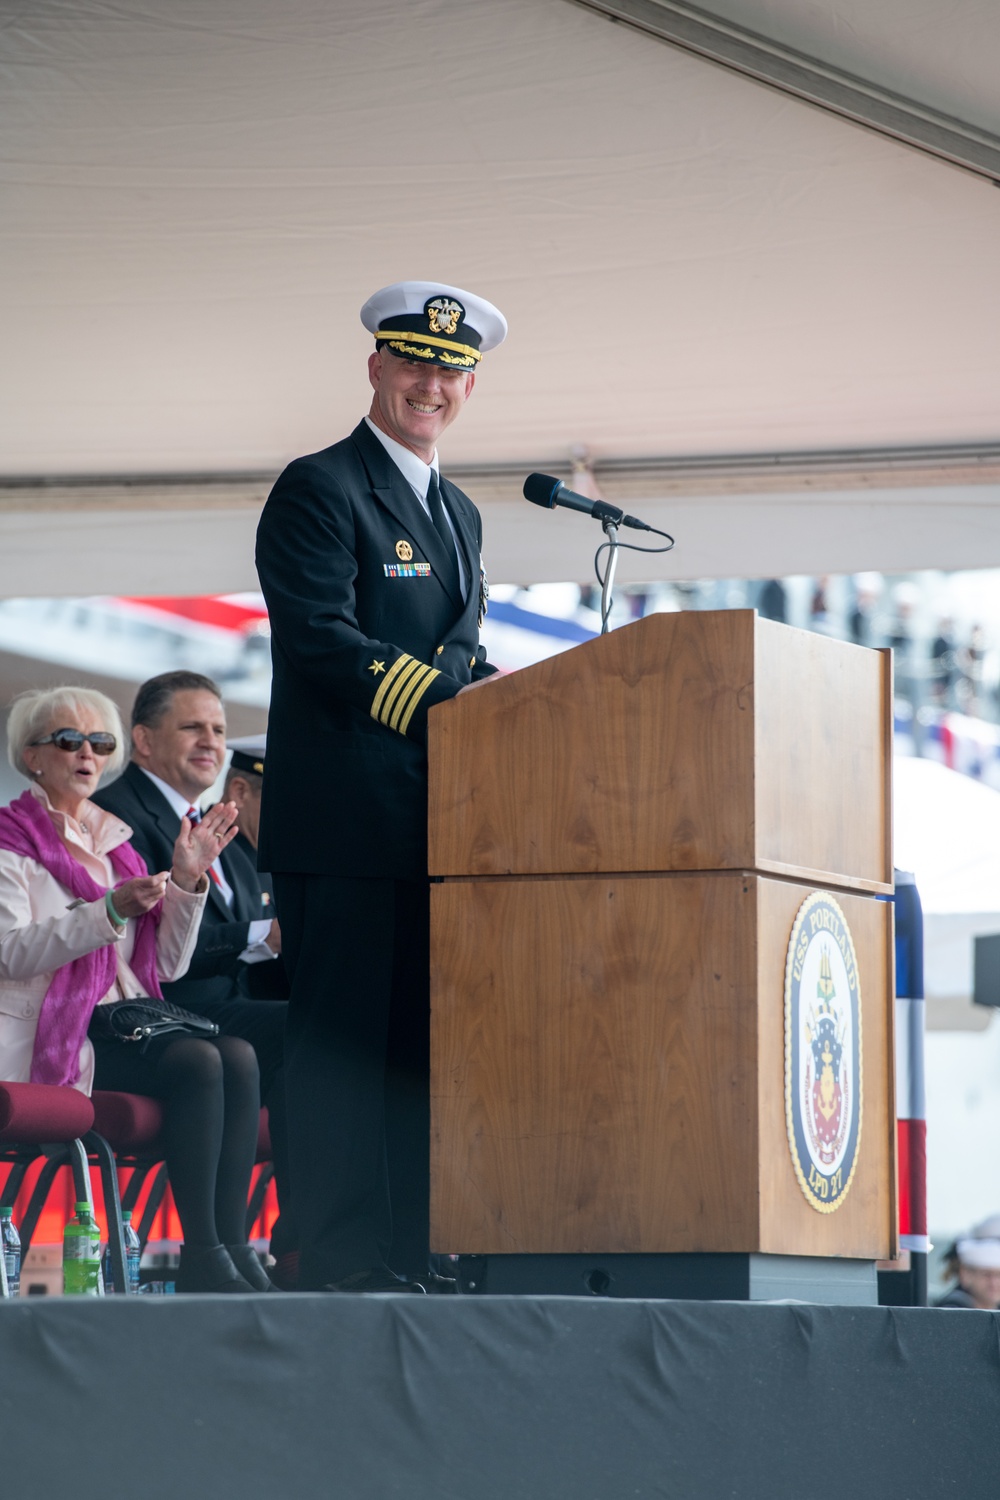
<point x="946" y="831"/>
<point x="711" y="286"/>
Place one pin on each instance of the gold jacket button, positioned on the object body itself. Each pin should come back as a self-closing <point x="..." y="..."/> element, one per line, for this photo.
<point x="472" y="661"/>
<point x="439" y="650"/>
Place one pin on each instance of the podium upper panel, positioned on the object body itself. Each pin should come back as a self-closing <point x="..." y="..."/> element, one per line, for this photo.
<point x="823" y="792"/>
<point x="691" y="741"/>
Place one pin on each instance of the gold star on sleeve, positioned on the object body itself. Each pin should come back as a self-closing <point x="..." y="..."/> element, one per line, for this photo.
<point x="376" y="667"/>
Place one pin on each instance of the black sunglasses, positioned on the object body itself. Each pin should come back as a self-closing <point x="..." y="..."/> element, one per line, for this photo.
<point x="100" y="742"/>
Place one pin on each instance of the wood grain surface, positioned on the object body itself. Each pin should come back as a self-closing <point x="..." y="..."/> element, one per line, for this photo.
<point x="693" y="741"/>
<point x="631" y="752"/>
<point x="823" y="742"/>
<point x="593" y="1085"/>
<point x="607" y="1069"/>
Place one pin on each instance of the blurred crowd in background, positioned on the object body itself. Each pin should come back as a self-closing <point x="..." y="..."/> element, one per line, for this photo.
<point x="944" y="629"/>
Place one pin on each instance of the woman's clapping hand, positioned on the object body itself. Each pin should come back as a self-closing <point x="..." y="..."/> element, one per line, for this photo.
<point x="133" y="898"/>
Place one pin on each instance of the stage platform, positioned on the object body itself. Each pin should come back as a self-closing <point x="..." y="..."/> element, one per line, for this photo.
<point x="497" y="1398"/>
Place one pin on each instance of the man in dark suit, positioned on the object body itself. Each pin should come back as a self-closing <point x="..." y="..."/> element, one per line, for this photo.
<point x="370" y="565"/>
<point x="178" y="750"/>
<point x="244" y="784"/>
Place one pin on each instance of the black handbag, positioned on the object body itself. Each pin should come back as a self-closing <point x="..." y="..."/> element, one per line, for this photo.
<point x="142" y="1020"/>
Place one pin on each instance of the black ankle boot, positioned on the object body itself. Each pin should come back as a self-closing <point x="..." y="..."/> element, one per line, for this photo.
<point x="209" y="1268"/>
<point x="247" y="1262"/>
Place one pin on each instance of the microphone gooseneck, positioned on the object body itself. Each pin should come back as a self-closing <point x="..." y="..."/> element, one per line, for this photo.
<point x="548" y="492"/>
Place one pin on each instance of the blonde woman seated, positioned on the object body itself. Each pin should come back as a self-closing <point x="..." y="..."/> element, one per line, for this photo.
<point x="82" y="922"/>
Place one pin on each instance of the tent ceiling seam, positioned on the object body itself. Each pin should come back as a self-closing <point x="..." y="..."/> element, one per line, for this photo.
<point x="737" y="473"/>
<point x="809" y="79"/>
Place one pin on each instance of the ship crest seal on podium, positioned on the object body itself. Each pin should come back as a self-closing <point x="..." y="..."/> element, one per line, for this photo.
<point x="823" y="1074"/>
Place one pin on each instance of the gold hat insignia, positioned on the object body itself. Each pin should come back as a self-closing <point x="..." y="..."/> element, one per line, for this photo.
<point x="443" y="314"/>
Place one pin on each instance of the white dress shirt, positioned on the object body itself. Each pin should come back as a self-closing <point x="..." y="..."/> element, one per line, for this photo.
<point x="418" y="476"/>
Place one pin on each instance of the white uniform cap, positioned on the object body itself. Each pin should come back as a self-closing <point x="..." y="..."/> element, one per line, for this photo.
<point x="439" y="324"/>
<point x="979" y="1255"/>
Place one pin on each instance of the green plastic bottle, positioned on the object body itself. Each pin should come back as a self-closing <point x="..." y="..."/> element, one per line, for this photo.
<point x="82" y="1255"/>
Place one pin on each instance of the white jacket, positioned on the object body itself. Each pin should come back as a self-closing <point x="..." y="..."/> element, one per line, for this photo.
<point x="41" y="928"/>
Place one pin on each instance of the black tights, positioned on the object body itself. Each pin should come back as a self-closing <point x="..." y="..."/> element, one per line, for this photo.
<point x="210" y="1091"/>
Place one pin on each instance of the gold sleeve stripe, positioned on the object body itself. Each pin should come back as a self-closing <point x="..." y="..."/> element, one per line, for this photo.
<point x="404" y="722"/>
<point x="401" y="688"/>
<point x="425" y="338"/>
<point x="387" y="682"/>
<point x="408" y="701"/>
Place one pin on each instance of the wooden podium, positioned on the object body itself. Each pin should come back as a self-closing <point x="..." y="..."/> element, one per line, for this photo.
<point x="622" y="837"/>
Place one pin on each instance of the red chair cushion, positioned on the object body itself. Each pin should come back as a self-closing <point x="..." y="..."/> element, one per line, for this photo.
<point x="33" y="1113"/>
<point x="128" y="1122"/>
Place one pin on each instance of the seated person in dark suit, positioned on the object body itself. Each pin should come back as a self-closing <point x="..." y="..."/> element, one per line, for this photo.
<point x="178" y="750"/>
<point x="244" y="783"/>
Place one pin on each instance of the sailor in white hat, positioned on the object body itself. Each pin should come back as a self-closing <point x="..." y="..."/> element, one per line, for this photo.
<point x="974" y="1260"/>
<point x="370" y="563"/>
<point x="429" y="340"/>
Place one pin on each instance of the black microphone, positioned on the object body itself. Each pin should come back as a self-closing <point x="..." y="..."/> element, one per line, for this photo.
<point x="547" y="491"/>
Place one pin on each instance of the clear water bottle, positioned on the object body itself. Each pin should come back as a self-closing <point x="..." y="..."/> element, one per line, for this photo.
<point x="133" y="1252"/>
<point x="82" y="1255"/>
<point x="132" y="1255"/>
<point x="11" y="1251"/>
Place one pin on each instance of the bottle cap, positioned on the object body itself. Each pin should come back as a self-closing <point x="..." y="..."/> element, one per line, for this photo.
<point x="6" y="1210"/>
<point x="126" y="1216"/>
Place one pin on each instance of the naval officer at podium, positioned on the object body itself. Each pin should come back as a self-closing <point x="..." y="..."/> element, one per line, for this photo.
<point x="371" y="567"/>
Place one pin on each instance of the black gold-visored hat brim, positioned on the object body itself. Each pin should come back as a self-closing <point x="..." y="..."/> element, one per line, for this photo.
<point x="451" y="357"/>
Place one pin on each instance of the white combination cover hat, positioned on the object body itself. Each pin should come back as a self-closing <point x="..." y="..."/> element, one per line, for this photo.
<point x="439" y="324"/>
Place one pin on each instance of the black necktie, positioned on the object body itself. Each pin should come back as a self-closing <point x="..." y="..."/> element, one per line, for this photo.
<point x="436" y="507"/>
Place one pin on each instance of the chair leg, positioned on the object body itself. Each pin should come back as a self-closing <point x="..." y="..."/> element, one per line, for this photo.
<point x="97" y="1146"/>
<point x="82" y="1185"/>
<point x="155" y="1198"/>
<point x="29" y="1222"/>
<point x="257" y="1196"/>
<point x="130" y="1197"/>
<point x="15" y="1177"/>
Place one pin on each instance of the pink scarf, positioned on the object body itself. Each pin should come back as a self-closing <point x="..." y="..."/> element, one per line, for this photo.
<point x="27" y="829"/>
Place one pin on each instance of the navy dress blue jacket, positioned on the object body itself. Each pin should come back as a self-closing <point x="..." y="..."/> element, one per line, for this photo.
<point x="366" y="637"/>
